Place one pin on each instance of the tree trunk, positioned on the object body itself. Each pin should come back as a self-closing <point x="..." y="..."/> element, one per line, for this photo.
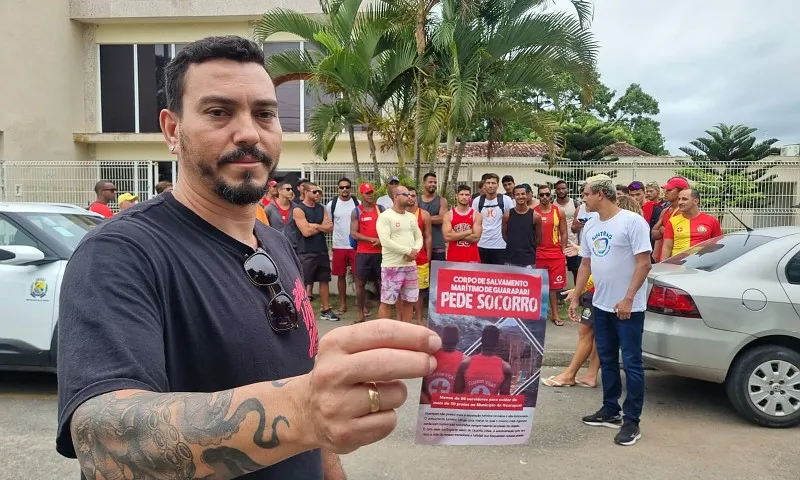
<point x="418" y="130"/>
<point x="459" y="155"/>
<point x="451" y="143"/>
<point x="422" y="14"/>
<point x="402" y="154"/>
<point x="372" y="151"/>
<point x="354" y="151"/>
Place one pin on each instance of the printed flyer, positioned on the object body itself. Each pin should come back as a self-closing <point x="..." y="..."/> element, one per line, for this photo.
<point x="492" y="322"/>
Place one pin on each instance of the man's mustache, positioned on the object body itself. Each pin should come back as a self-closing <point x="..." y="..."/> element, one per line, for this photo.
<point x="243" y="152"/>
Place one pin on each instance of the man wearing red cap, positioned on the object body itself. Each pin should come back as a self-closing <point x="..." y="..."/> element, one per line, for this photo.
<point x="272" y="194"/>
<point x="671" y="190"/>
<point x="364" y="230"/>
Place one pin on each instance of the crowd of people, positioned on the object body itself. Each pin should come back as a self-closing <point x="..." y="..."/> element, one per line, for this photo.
<point x="214" y="332"/>
<point x="546" y="233"/>
<point x="392" y="241"/>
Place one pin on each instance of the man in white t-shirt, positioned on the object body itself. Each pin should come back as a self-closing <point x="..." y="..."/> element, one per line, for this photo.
<point x="492" y="206"/>
<point x="340" y="210"/>
<point x="616" y="252"/>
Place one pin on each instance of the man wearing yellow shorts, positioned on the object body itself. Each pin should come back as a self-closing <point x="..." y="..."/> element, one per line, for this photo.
<point x="424" y="256"/>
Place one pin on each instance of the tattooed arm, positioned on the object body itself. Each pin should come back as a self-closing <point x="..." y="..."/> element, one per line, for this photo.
<point x="222" y="435"/>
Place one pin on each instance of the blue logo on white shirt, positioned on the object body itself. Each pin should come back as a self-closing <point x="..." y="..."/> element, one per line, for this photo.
<point x="601" y="243"/>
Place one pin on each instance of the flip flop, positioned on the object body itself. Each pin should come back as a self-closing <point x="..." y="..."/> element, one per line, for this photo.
<point x="551" y="382"/>
<point x="584" y="385"/>
<point x="557" y="323"/>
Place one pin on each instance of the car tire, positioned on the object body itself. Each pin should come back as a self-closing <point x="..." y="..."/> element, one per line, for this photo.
<point x="752" y="401"/>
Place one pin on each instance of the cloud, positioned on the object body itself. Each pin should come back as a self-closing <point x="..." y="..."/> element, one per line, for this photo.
<point x="706" y="62"/>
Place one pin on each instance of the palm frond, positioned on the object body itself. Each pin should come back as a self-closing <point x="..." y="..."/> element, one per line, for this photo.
<point x="282" y="20"/>
<point x="327" y="121"/>
<point x="290" y="62"/>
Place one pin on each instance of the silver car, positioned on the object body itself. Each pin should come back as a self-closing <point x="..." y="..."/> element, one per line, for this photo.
<point x="728" y="311"/>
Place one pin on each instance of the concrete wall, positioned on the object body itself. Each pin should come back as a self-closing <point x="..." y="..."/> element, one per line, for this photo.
<point x="42" y="84"/>
<point x="96" y="11"/>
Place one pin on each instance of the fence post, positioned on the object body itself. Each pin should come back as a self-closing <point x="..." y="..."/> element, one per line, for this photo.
<point x="3" y="186"/>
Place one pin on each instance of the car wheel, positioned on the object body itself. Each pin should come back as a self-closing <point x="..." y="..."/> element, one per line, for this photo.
<point x="764" y="386"/>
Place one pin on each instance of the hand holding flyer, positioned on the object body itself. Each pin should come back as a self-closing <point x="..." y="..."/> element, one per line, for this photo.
<point x="484" y="388"/>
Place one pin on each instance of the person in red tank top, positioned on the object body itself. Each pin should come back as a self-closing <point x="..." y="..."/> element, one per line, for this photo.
<point x="424" y="256"/>
<point x="448" y="359"/>
<point x="462" y="228"/>
<point x="364" y="230"/>
<point x="550" y="253"/>
<point x="485" y="373"/>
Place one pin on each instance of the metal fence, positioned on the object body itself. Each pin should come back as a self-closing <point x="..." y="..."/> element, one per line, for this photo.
<point x="760" y="194"/>
<point x="72" y="182"/>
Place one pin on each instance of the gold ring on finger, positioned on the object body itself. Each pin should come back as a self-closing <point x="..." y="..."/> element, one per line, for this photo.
<point x="374" y="398"/>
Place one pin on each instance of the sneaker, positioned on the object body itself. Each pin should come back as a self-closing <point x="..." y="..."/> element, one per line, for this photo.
<point x="330" y="315"/>
<point x="629" y="434"/>
<point x="602" y="419"/>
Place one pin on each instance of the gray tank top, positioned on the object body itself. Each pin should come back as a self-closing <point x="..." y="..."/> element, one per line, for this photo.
<point x="432" y="207"/>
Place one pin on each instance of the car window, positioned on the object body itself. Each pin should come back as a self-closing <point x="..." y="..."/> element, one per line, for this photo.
<point x="717" y="252"/>
<point x="67" y="229"/>
<point x="793" y="269"/>
<point x="11" y="235"/>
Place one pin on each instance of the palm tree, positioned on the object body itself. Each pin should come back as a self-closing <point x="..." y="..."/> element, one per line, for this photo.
<point x="586" y="146"/>
<point x="357" y="58"/>
<point x="487" y="49"/>
<point x="727" y="167"/>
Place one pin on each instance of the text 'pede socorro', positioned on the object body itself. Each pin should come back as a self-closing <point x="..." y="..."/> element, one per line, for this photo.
<point x="484" y="388"/>
<point x="487" y="293"/>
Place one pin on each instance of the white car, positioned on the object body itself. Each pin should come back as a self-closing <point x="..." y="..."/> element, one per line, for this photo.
<point x="36" y="240"/>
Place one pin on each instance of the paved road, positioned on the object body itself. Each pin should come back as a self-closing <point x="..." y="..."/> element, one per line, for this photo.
<point x="689" y="431"/>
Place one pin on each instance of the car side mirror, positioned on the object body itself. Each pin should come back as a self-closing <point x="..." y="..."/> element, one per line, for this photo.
<point x="19" y="255"/>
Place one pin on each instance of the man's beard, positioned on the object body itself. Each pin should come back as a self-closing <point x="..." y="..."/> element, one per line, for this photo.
<point x="432" y="189"/>
<point x="247" y="192"/>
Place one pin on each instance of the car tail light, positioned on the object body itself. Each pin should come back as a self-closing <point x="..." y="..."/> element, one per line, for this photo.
<point x="672" y="301"/>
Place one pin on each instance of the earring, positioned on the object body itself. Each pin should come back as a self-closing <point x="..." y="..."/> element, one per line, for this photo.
<point x="172" y="148"/>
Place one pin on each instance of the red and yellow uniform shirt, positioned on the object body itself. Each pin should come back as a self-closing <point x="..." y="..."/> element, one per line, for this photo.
<point x="686" y="233"/>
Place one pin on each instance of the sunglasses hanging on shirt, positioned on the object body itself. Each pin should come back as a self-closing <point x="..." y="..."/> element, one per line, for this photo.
<point x="262" y="272"/>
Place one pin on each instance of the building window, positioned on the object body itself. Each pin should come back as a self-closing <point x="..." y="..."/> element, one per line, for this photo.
<point x="117" y="97"/>
<point x="133" y="86"/>
<point x="296" y="96"/>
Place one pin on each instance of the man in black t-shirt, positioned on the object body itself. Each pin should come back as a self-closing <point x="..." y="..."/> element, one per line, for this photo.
<point x="208" y="364"/>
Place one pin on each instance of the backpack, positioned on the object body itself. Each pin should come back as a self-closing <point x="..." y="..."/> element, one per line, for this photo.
<point x="353" y="241"/>
<point x="500" y="203"/>
<point x="333" y="205"/>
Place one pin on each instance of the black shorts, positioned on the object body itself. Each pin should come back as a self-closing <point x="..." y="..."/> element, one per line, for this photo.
<point x="439" y="255"/>
<point x="368" y="266"/>
<point x="316" y="267"/>
<point x="574" y="263"/>
<point x="587" y="310"/>
<point x="492" y="256"/>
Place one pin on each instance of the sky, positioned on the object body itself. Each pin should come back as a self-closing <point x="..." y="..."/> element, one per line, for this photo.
<point x="705" y="62"/>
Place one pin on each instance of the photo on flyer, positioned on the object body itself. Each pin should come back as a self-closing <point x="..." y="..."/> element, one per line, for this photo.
<point x="484" y="388"/>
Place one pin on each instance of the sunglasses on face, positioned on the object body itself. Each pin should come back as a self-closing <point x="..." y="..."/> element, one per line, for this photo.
<point x="344" y="187"/>
<point x="316" y="192"/>
<point x="544" y="194"/>
<point x="287" y="188"/>
<point x="405" y="194"/>
<point x="262" y="272"/>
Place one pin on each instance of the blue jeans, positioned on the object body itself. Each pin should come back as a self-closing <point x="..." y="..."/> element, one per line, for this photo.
<point x="611" y="334"/>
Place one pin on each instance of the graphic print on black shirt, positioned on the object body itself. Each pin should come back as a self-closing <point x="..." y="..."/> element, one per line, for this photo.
<point x="157" y="299"/>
